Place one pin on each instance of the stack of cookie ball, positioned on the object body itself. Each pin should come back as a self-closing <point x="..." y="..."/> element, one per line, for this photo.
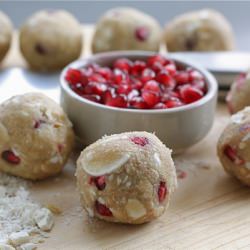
<point x="51" y="39"/>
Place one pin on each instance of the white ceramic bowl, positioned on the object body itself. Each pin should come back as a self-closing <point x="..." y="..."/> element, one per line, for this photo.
<point x="179" y="128"/>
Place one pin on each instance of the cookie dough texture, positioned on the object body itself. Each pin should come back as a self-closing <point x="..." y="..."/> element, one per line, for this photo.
<point x="36" y="136"/>
<point x="238" y="96"/>
<point x="5" y="34"/>
<point x="126" y="29"/>
<point x="203" y="30"/>
<point x="49" y="40"/>
<point x="234" y="146"/>
<point x="126" y="178"/>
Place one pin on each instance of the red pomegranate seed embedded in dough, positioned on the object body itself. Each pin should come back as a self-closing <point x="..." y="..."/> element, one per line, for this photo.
<point x="100" y="182"/>
<point x="102" y="209"/>
<point x="162" y="191"/>
<point x="10" y="157"/>
<point x="142" y="141"/>
<point x="231" y="154"/>
<point x="38" y="123"/>
<point x="142" y="33"/>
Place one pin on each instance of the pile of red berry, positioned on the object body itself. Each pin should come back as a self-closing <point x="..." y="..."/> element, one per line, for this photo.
<point x="157" y="83"/>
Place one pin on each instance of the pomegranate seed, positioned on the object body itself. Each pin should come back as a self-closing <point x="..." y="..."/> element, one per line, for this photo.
<point x="95" y="88"/>
<point x="195" y="75"/>
<point x="152" y="86"/>
<point x="231" y="154"/>
<point x="120" y="77"/>
<point x="151" y="98"/>
<point x="96" y="78"/>
<point x="138" y="103"/>
<point x="173" y="103"/>
<point x="182" y="77"/>
<point x="74" y="76"/>
<point x="160" y="105"/>
<point x="142" y="33"/>
<point x="165" y="78"/>
<point x="123" y="64"/>
<point x="93" y="98"/>
<point x="124" y="89"/>
<point x="119" y="101"/>
<point x="190" y="94"/>
<point x="105" y="72"/>
<point x="147" y="75"/>
<point x="38" y="123"/>
<point x="138" y="67"/>
<point x="142" y="141"/>
<point x="156" y="59"/>
<point x="133" y="93"/>
<point x="10" y="157"/>
<point x="157" y="67"/>
<point x="99" y="182"/>
<point x="102" y="209"/>
<point x="162" y="191"/>
<point x="171" y="69"/>
<point x="136" y="84"/>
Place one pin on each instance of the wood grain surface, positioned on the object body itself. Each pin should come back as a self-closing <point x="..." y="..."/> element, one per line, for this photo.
<point x="209" y="210"/>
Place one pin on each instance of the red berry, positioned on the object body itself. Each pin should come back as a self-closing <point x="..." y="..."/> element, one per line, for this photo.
<point x="138" y="103"/>
<point x="138" y="67"/>
<point x="142" y="141"/>
<point x="102" y="209"/>
<point x="182" y="77"/>
<point x="190" y="94"/>
<point x="165" y="78"/>
<point x="74" y="76"/>
<point x="147" y="75"/>
<point x="162" y="191"/>
<point x="10" y="157"/>
<point x="231" y="154"/>
<point x="123" y="64"/>
<point x="142" y="33"/>
<point x="156" y="59"/>
<point x="151" y="98"/>
<point x="152" y="86"/>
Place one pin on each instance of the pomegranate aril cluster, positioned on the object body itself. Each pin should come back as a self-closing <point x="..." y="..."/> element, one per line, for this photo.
<point x="157" y="83"/>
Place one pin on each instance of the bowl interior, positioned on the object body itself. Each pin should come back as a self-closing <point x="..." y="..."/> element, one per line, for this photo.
<point x="107" y="59"/>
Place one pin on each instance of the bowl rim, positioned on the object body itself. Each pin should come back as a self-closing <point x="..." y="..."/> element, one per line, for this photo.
<point x="210" y="80"/>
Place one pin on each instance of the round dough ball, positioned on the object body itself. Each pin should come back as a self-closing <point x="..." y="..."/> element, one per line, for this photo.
<point x="126" y="178"/>
<point x="5" y="34"/>
<point x="126" y="29"/>
<point x="234" y="146"/>
<point x="49" y="40"/>
<point x="238" y="96"/>
<point x="36" y="137"/>
<point x="204" y="30"/>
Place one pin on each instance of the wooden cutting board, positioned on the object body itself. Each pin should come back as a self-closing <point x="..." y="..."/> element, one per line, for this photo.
<point x="209" y="210"/>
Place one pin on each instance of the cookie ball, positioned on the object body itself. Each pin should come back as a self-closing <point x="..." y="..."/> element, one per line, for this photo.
<point x="204" y="30"/>
<point x="49" y="40"/>
<point x="36" y="137"/>
<point x="126" y="29"/>
<point x="126" y="178"/>
<point x="234" y="146"/>
<point x="238" y="96"/>
<point x="5" y="34"/>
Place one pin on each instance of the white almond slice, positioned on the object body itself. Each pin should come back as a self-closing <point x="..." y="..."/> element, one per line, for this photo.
<point x="44" y="219"/>
<point x="101" y="164"/>
<point x="6" y="247"/>
<point x="135" y="209"/>
<point x="19" y="238"/>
